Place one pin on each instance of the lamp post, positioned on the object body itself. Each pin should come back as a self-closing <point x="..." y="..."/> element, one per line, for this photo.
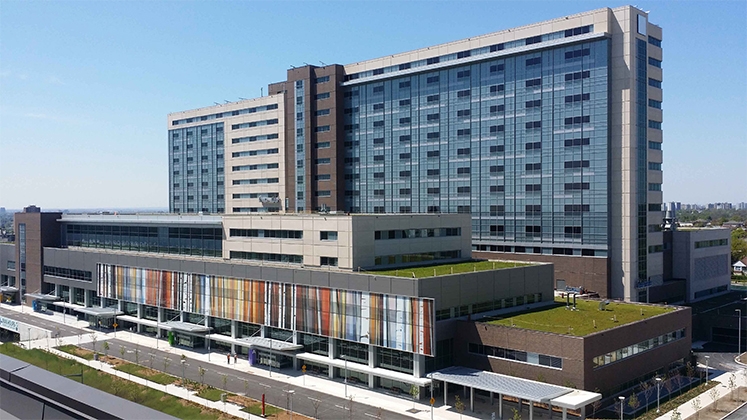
<point x="345" y="358"/>
<point x="28" y="330"/>
<point x="658" y="392"/>
<point x="739" y="332"/>
<point x="622" y="405"/>
<point x="707" y="358"/>
<point x="289" y="402"/>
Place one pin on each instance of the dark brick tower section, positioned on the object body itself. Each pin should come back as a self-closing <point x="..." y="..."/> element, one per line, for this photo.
<point x="319" y="178"/>
<point x="589" y="273"/>
<point x="41" y="230"/>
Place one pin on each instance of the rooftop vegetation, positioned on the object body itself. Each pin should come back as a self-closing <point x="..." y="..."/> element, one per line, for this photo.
<point x="447" y="269"/>
<point x="586" y="319"/>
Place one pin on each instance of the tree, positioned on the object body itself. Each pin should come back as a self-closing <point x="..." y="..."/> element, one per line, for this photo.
<point x="350" y="406"/>
<point x="738" y="245"/>
<point x="201" y="371"/>
<point x="516" y="414"/>
<point x="414" y="392"/>
<point x="647" y="389"/>
<point x="676" y="415"/>
<point x="315" y="402"/>
<point x="690" y="369"/>
<point x="93" y="341"/>
<point x="713" y="393"/>
<point x="106" y="348"/>
<point x="224" y="380"/>
<point x="152" y="358"/>
<point x="166" y="364"/>
<point x="458" y="405"/>
<point x="696" y="406"/>
<point x="634" y="403"/>
<point x="732" y="384"/>
<point x="137" y="354"/>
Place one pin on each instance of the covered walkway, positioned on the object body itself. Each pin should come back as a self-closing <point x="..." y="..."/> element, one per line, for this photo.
<point x="509" y="386"/>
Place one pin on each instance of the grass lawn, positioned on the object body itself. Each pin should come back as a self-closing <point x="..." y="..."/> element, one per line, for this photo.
<point x="557" y="319"/>
<point x="77" y="351"/>
<point x="446" y="269"/>
<point x="212" y="394"/>
<point x="256" y="409"/>
<point x="145" y="373"/>
<point x="148" y="397"/>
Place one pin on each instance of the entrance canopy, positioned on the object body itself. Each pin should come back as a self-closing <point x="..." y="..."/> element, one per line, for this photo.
<point x="526" y="389"/>
<point x="184" y="327"/>
<point x="268" y="343"/>
<point x="42" y="297"/>
<point x="100" y="312"/>
<point x="9" y="289"/>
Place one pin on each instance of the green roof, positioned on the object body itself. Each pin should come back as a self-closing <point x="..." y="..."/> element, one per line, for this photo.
<point x="447" y="269"/>
<point x="587" y="319"/>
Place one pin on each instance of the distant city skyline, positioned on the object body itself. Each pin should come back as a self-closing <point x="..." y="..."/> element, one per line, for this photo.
<point x="85" y="87"/>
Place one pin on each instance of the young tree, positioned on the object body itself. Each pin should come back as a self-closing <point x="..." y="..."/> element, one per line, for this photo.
<point x="516" y="414"/>
<point x="224" y="380"/>
<point x="152" y="358"/>
<point x="713" y="393"/>
<point x="106" y="348"/>
<point x="201" y="371"/>
<point x="690" y="369"/>
<point x="458" y="405"/>
<point x="137" y="354"/>
<point x="315" y="402"/>
<point x="166" y="364"/>
<point x="414" y="392"/>
<point x="732" y="384"/>
<point x="350" y="406"/>
<point x="647" y="389"/>
<point x="696" y="406"/>
<point x="676" y="415"/>
<point x="93" y="341"/>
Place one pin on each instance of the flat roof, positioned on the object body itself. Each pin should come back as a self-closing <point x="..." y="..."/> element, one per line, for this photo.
<point x="142" y="219"/>
<point x="585" y="320"/>
<point x="40" y="296"/>
<point x="100" y="312"/>
<point x="9" y="289"/>
<point x="498" y="383"/>
<point x="437" y="270"/>
<point x="187" y="327"/>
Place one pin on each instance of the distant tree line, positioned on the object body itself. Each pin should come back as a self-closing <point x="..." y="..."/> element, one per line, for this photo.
<point x="714" y="216"/>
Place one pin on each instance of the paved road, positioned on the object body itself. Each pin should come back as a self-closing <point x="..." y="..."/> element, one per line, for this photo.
<point x="51" y="325"/>
<point x="330" y="407"/>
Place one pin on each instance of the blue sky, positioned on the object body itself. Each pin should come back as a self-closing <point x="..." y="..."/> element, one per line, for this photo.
<point x="85" y="86"/>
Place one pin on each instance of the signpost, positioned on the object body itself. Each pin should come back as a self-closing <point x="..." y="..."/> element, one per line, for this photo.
<point x="433" y="401"/>
<point x="115" y="328"/>
<point x="303" y="369"/>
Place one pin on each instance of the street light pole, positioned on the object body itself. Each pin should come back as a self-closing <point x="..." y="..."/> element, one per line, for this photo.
<point x="739" y="332"/>
<point x="622" y="401"/>
<point x="707" y="358"/>
<point x="346" y="375"/>
<point x="658" y="392"/>
<point x="28" y="330"/>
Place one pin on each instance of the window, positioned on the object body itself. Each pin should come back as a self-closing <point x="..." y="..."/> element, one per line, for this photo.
<point x="654" y="187"/>
<point x="532" y="231"/>
<point x="322" y="129"/>
<point x="405" y="138"/>
<point x="433" y="136"/>
<point x="584" y="141"/>
<point x="575" y="186"/>
<point x="323" y="177"/>
<point x="433" y="172"/>
<point x="534" y="40"/>
<point x="654" y="83"/>
<point x="462" y="74"/>
<point x="432" y="60"/>
<point x="405" y="191"/>
<point x="323" y="193"/>
<point x="402" y="121"/>
<point x="497" y="149"/>
<point x="404" y="102"/>
<point x="432" y="79"/>
<point x="463" y="152"/>
<point x="433" y="190"/>
<point x="576" y="208"/>
<point x="321" y="96"/>
<point x="432" y="98"/>
<point x="463" y="190"/>
<point x="497" y="88"/>
<point x="534" y="61"/>
<point x="378" y="89"/>
<point x="496" y="169"/>
<point x="654" y="166"/>
<point x="583" y="52"/>
<point x="322" y="112"/>
<point x="579" y="75"/>
<point x="433" y="153"/>
<point x="463" y="54"/>
<point x="497" y="210"/>
<point x="654" y="145"/>
<point x="531" y="125"/>
<point x="576" y="98"/>
<point x="573" y="231"/>
<point x="463" y="113"/>
<point x="497" y="129"/>
<point x="404" y="66"/>
<point x="497" y="188"/>
<point x="654" y="124"/>
<point x="378" y="107"/>
<point x="405" y="156"/>
<point x="654" y="41"/>
<point x="378" y="158"/>
<point x="533" y="82"/>
<point x="433" y="117"/>
<point x="654" y="103"/>
<point x="379" y="141"/>
<point x="405" y="209"/>
<point x="654" y="62"/>
<point x="533" y="103"/>
<point x="404" y="84"/>
<point x="575" y="164"/>
<point x="533" y="167"/>
<point x="464" y="132"/>
<point x="380" y="123"/>
<point x="533" y="210"/>
<point x="323" y="161"/>
<point x="328" y="261"/>
<point x="533" y="188"/>
<point x="323" y="145"/>
<point x="496" y="230"/>
<point x="495" y="109"/>
<point x="463" y="171"/>
<point x="463" y="93"/>
<point x="323" y="79"/>
<point x="328" y="235"/>
<point x="405" y="174"/>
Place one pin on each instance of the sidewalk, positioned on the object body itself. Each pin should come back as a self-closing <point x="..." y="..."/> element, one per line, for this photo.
<point x="294" y="379"/>
<point x="686" y="410"/>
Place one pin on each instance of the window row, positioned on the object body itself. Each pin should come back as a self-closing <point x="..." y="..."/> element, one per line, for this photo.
<point x="517" y="355"/>
<point x="225" y="114"/>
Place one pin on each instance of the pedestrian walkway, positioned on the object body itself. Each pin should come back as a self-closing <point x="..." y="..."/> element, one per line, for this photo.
<point x="686" y="410"/>
<point x="294" y="379"/>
